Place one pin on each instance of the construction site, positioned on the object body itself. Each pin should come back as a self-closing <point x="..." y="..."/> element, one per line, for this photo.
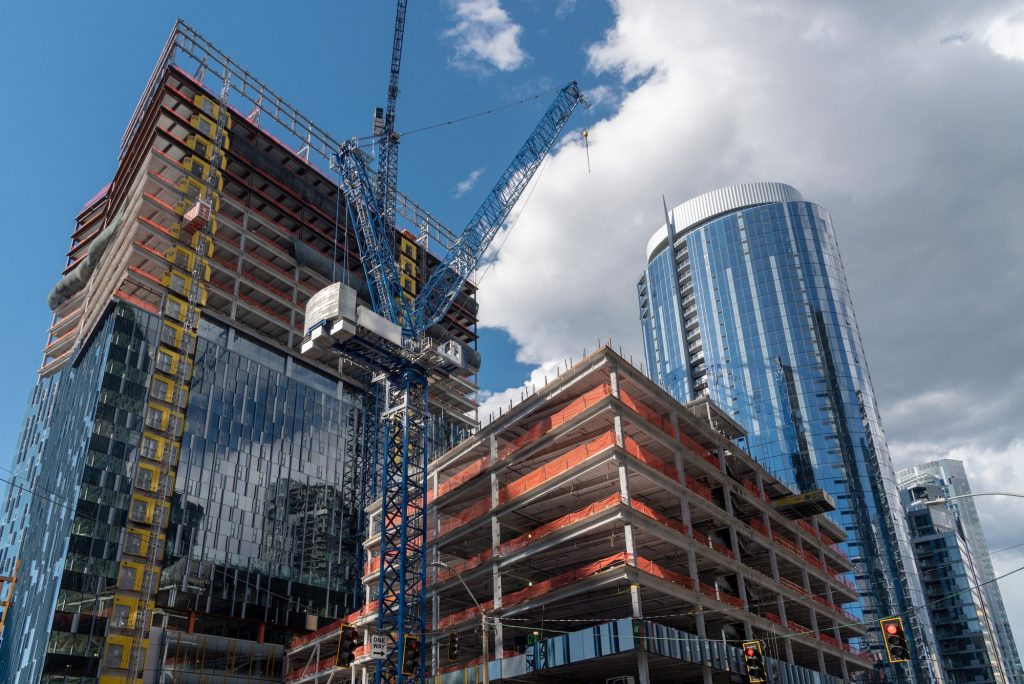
<point x="256" y="428"/>
<point x="609" y="533"/>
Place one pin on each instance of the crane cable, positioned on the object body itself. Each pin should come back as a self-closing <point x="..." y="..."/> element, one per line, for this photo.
<point x="450" y="122"/>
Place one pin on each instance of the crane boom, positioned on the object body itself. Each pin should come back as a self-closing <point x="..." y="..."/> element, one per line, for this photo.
<point x="448" y="278"/>
<point x="387" y="163"/>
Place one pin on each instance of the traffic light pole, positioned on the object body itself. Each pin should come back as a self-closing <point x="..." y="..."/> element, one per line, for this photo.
<point x="484" y="625"/>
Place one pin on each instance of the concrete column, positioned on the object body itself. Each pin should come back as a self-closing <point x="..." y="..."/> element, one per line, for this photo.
<point x="630" y="548"/>
<point x="497" y="631"/>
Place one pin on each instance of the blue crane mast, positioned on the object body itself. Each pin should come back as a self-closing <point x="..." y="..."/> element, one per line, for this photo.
<point x="392" y="342"/>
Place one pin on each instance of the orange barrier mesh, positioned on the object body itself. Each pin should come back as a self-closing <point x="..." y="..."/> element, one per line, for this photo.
<point x="564" y="579"/>
<point x="654" y="515"/>
<point x="788" y="545"/>
<point x="752" y="488"/>
<point x="794" y="586"/>
<point x="461" y="477"/>
<point x="797" y="627"/>
<point x="559" y="523"/>
<point x="647" y="413"/>
<point x="772" y="617"/>
<point x="831" y="641"/>
<point x="652" y="568"/>
<point x="573" y="409"/>
<point x="806" y="527"/>
<point x="555" y="467"/>
<point x="698" y="488"/>
<point x="648" y="457"/>
<point x="759" y="526"/>
<point x="720" y="595"/>
<point x="465" y="565"/>
<point x="306" y="670"/>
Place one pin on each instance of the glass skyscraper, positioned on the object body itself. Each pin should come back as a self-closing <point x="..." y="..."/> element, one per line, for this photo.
<point x="744" y="299"/>
<point x="949" y="475"/>
<point x="964" y="632"/>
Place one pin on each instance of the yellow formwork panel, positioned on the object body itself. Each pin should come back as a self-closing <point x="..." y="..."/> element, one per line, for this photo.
<point x="192" y="188"/>
<point x="130" y="575"/>
<point x="407" y="247"/>
<point x="185" y="259"/>
<point x="175" y="336"/>
<point x="162" y="388"/>
<point x="209" y="129"/>
<point x="408" y="283"/>
<point x="154" y="447"/>
<point x="137" y="540"/>
<point x="199" y="145"/>
<point x="212" y="229"/>
<point x="147" y="477"/>
<point x="207" y="106"/>
<point x="407" y="265"/>
<point x="167" y="360"/>
<point x="179" y="282"/>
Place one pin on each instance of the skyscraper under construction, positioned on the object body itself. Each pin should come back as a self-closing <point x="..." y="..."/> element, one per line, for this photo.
<point x="188" y="493"/>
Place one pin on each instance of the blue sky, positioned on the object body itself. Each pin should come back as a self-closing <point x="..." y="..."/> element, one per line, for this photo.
<point x="76" y="70"/>
<point x="902" y="119"/>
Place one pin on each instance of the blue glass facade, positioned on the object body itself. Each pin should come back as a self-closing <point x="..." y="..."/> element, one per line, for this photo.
<point x="262" y="530"/>
<point x="965" y="635"/>
<point x="753" y="278"/>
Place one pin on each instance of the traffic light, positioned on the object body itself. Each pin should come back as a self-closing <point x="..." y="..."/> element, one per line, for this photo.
<point x="895" y="639"/>
<point x="753" y="658"/>
<point x="453" y="646"/>
<point x="410" y="655"/>
<point x="348" y="642"/>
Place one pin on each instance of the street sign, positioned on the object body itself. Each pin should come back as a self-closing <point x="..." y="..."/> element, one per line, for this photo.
<point x="378" y="646"/>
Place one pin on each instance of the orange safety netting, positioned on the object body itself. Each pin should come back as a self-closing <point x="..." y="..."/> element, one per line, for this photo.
<point x="652" y="568"/>
<point x="564" y="579"/>
<point x="648" y="414"/>
<point x="772" y="617"/>
<point x="664" y="520"/>
<point x="559" y="523"/>
<point x="328" y="663"/>
<point x="306" y="638"/>
<point x="648" y="457"/>
<point x="759" y="526"/>
<point x="720" y="595"/>
<point x="797" y="627"/>
<point x="463" y="566"/>
<point x="698" y="488"/>
<point x="573" y="409"/>
<point x="720" y="548"/>
<point x="556" y="467"/>
<point x="794" y="586"/>
<point x="831" y="641"/>
<point x="752" y="488"/>
<point x="786" y="544"/>
<point x="461" y="477"/>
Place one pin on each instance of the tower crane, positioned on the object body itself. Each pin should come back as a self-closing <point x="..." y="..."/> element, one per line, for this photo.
<point x="391" y="341"/>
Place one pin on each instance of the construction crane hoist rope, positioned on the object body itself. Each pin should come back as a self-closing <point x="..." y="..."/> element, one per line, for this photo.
<point x="390" y="340"/>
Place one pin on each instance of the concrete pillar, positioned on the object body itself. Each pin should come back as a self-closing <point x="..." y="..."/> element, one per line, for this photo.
<point x="497" y="632"/>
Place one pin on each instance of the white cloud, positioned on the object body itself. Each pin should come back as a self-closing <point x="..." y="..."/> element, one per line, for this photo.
<point x="565" y="8"/>
<point x="485" y="35"/>
<point x="467" y="183"/>
<point x="1006" y="36"/>
<point x="911" y="145"/>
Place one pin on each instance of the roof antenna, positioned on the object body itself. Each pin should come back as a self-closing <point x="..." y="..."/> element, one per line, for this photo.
<point x="586" y="144"/>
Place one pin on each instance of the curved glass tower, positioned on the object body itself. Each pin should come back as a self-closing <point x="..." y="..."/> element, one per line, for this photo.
<point x="744" y="299"/>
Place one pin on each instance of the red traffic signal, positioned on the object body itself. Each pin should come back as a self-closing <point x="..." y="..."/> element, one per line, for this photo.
<point x="895" y="638"/>
<point x="410" y="655"/>
<point x="754" y="660"/>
